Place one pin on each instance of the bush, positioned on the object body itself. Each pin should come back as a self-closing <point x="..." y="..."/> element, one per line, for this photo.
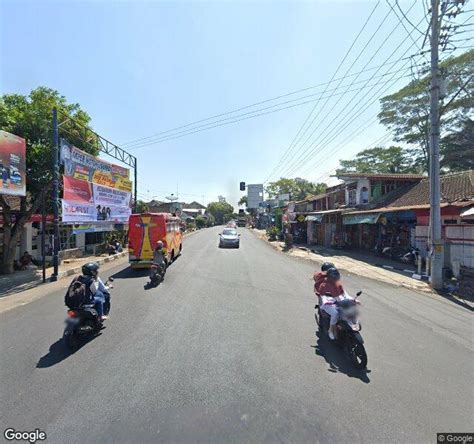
<point x="272" y="233"/>
<point x="200" y="222"/>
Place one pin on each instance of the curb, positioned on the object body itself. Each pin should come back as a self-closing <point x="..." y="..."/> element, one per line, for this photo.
<point x="104" y="260"/>
<point x="278" y="245"/>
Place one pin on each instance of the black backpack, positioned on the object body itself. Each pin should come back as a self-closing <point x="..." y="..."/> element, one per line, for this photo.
<point x="78" y="292"/>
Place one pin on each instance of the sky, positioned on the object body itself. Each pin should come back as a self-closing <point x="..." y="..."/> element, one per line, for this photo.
<point x="143" y="67"/>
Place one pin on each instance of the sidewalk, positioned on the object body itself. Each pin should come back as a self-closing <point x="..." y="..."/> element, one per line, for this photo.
<point x="356" y="262"/>
<point x="24" y="280"/>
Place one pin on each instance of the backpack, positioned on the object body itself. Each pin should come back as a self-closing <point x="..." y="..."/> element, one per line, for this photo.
<point x="78" y="292"/>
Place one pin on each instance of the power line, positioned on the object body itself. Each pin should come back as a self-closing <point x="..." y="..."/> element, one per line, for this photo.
<point x="347" y="118"/>
<point x="297" y="136"/>
<point x="304" y="155"/>
<point x="256" y="113"/>
<point x="138" y="142"/>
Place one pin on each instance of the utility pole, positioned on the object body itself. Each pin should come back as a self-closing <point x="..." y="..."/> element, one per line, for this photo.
<point x="55" y="162"/>
<point x="437" y="255"/>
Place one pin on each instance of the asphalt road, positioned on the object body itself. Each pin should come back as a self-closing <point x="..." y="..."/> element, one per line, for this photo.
<point x="225" y="351"/>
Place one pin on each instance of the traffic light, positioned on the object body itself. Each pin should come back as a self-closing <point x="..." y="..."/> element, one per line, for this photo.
<point x="242" y="186"/>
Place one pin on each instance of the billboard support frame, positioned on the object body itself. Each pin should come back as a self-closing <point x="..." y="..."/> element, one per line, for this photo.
<point x="104" y="146"/>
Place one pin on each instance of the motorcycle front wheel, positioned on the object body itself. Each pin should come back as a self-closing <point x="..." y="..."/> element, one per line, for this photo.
<point x="357" y="354"/>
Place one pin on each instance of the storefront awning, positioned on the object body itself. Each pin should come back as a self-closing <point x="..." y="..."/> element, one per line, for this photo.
<point x="468" y="213"/>
<point x="355" y="219"/>
<point x="314" y="218"/>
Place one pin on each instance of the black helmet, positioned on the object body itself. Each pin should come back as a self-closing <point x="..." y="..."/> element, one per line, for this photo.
<point x="333" y="273"/>
<point x="90" y="268"/>
<point x="327" y="265"/>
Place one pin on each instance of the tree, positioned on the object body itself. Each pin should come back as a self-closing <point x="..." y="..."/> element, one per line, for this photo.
<point x="210" y="220"/>
<point x="220" y="211"/>
<point x="379" y="160"/>
<point x="297" y="188"/>
<point x="406" y="112"/>
<point x="30" y="117"/>
<point x="142" y="207"/>
<point x="200" y="222"/>
<point x="243" y="201"/>
<point x="457" y="148"/>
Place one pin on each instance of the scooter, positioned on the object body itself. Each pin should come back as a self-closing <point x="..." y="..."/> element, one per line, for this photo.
<point x="157" y="274"/>
<point x="84" y="322"/>
<point x="348" y="329"/>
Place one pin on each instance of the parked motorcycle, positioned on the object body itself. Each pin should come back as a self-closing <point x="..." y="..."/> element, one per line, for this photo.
<point x="84" y="322"/>
<point x="348" y="329"/>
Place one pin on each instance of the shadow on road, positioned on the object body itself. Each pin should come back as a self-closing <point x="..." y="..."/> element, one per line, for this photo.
<point x="58" y="352"/>
<point x="336" y="359"/>
<point x="130" y="273"/>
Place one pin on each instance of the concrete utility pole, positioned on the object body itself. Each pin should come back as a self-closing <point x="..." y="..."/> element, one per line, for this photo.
<point x="437" y="254"/>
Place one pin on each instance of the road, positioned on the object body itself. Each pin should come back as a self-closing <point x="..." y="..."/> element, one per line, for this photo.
<point x="225" y="351"/>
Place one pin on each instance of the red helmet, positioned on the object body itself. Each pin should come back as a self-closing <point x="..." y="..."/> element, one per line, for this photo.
<point x="160" y="244"/>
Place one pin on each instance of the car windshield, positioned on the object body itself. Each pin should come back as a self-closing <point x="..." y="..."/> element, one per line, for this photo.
<point x="230" y="232"/>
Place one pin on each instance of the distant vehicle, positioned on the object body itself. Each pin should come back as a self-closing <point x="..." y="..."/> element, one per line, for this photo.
<point x="242" y="222"/>
<point x="145" y="230"/>
<point x="229" y="238"/>
<point x="232" y="224"/>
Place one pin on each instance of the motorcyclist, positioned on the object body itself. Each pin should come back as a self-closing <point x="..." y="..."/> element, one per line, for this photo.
<point x="330" y="290"/>
<point x="321" y="275"/>
<point x="97" y="289"/>
<point x="160" y="256"/>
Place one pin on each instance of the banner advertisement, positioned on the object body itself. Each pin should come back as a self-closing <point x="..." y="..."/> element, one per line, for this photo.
<point x="73" y="212"/>
<point x="83" y="166"/>
<point x="109" y="196"/>
<point x="12" y="164"/>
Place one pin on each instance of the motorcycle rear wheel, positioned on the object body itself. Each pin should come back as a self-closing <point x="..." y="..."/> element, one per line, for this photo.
<point x="71" y="340"/>
<point x="357" y="354"/>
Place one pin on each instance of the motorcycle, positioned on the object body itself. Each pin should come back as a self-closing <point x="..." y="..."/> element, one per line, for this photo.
<point x="157" y="274"/>
<point x="84" y="322"/>
<point x="348" y="329"/>
<point x="411" y="256"/>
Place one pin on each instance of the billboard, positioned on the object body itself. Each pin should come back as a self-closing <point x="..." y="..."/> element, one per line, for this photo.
<point x="83" y="166"/>
<point x="12" y="164"/>
<point x="93" y="190"/>
<point x="254" y="195"/>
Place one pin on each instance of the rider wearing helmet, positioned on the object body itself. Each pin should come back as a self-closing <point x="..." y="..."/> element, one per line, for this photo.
<point x="160" y="254"/>
<point x="330" y="290"/>
<point x="320" y="276"/>
<point x="97" y="289"/>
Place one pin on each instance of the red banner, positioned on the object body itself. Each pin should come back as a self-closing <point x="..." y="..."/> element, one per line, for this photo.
<point x="77" y="190"/>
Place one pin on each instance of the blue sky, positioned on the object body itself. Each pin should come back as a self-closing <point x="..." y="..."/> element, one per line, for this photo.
<point x="139" y="68"/>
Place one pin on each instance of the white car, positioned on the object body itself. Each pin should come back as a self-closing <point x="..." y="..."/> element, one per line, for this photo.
<point x="229" y="238"/>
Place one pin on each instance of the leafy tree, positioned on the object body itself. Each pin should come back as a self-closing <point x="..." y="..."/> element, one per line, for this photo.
<point x="406" y="112"/>
<point x="457" y="148"/>
<point x="200" y="222"/>
<point x="243" y="200"/>
<point x="220" y="210"/>
<point x="379" y="160"/>
<point x="142" y="207"/>
<point x="211" y="220"/>
<point x="30" y="117"/>
<point x="298" y="188"/>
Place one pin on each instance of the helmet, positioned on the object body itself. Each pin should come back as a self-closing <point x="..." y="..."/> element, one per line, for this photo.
<point x="327" y="265"/>
<point x="90" y="269"/>
<point x="333" y="273"/>
<point x="159" y="244"/>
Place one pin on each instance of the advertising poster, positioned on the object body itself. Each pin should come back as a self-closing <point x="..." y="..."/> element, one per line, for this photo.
<point x="83" y="166"/>
<point x="94" y="191"/>
<point x="73" y="212"/>
<point x="12" y="164"/>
